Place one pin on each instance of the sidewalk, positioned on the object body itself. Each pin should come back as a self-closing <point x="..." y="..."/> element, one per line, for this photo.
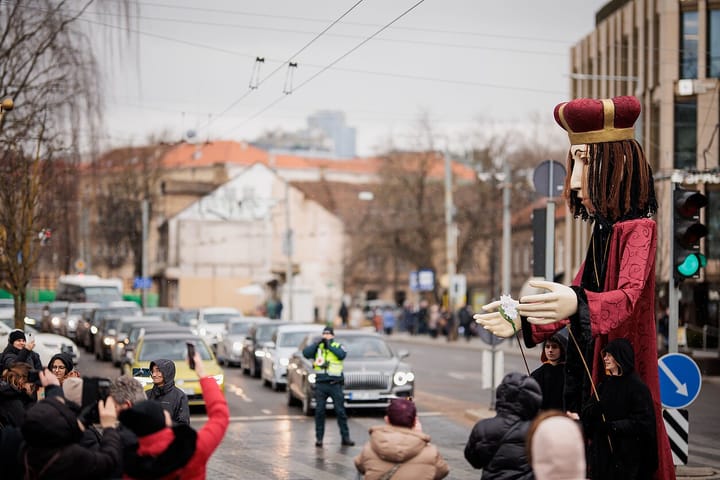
<point x="683" y="472"/>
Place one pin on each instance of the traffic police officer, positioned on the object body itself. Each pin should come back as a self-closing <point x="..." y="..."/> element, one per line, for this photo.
<point x="328" y="355"/>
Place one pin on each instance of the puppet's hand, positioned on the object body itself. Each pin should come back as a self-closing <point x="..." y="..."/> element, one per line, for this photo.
<point x="559" y="303"/>
<point x="494" y="321"/>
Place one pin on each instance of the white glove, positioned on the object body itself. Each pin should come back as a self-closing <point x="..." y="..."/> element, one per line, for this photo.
<point x="543" y="308"/>
<point x="495" y="323"/>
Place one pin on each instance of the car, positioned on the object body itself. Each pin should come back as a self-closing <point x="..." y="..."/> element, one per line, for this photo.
<point x="46" y="344"/>
<point x="166" y="313"/>
<point x="89" y="322"/>
<point x="71" y="317"/>
<point x="261" y="332"/>
<point x="172" y="346"/>
<point x="229" y="348"/>
<point x="374" y="373"/>
<point x="211" y="322"/>
<point x="117" y="351"/>
<point x="51" y="316"/>
<point x="276" y="353"/>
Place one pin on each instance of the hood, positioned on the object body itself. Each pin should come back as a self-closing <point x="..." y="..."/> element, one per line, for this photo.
<point x="50" y="423"/>
<point x="557" y="450"/>
<point x="621" y="349"/>
<point x="65" y="358"/>
<point x="167" y="367"/>
<point x="518" y="394"/>
<point x="560" y="339"/>
<point x="397" y="444"/>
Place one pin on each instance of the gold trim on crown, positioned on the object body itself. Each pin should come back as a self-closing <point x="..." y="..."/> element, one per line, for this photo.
<point x="607" y="134"/>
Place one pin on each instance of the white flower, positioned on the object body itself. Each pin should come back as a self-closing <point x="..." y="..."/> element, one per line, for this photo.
<point x="508" y="307"/>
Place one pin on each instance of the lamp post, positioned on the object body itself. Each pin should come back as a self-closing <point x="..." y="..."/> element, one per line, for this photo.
<point x="5" y="106"/>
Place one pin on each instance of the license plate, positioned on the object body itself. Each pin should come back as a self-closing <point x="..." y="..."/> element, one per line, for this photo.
<point x="363" y="396"/>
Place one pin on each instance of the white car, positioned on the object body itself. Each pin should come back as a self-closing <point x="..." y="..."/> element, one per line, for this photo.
<point x="211" y="323"/>
<point x="285" y="341"/>
<point x="46" y="344"/>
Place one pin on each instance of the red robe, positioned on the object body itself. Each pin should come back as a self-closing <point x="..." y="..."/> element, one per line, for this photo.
<point x="626" y="308"/>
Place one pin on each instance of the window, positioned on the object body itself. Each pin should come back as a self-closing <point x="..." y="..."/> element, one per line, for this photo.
<point x="685" y="133"/>
<point x="713" y="40"/>
<point x="689" y="45"/>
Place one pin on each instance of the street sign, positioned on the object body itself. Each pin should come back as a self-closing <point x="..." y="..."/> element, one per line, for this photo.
<point x="422" y="281"/>
<point x="458" y="286"/>
<point x="549" y="178"/>
<point x="677" y="426"/>
<point x="680" y="380"/>
<point x="140" y="283"/>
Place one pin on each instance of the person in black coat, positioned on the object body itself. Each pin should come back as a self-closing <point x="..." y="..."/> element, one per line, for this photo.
<point x="497" y="444"/>
<point x="171" y="398"/>
<point x="16" y="395"/>
<point x="52" y="434"/>
<point x="19" y="349"/>
<point x="551" y="374"/>
<point x="621" y="426"/>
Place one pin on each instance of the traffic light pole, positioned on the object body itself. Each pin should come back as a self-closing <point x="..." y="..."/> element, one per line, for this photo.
<point x="673" y="293"/>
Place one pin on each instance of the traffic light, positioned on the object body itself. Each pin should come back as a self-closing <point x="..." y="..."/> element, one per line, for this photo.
<point x="687" y="233"/>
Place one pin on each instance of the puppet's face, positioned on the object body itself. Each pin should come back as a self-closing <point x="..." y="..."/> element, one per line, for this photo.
<point x="579" y="176"/>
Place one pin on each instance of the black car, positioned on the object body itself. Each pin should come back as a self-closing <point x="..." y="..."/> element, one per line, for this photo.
<point x="374" y="373"/>
<point x="252" y="349"/>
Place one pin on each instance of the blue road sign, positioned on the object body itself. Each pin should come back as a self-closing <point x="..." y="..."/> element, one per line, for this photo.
<point x="140" y="283"/>
<point x="680" y="380"/>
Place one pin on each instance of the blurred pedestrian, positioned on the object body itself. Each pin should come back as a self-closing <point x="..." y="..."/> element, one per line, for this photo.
<point x="343" y="313"/>
<point x="497" y="445"/>
<point x="168" y="452"/>
<point x="551" y="374"/>
<point x="465" y="317"/>
<point x="19" y="349"/>
<point x="556" y="447"/>
<point x="388" y="320"/>
<point x="164" y="391"/>
<point x="433" y="322"/>
<point x="399" y="449"/>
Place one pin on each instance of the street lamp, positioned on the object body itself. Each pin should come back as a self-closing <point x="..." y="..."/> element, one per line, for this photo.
<point x="5" y="106"/>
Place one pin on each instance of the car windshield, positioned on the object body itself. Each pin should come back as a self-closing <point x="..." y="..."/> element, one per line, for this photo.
<point x="111" y="323"/>
<point x="101" y="294"/>
<point x="77" y="310"/>
<point x="218" y="317"/>
<point x="239" y="328"/>
<point x="366" y="347"/>
<point x="291" y="339"/>
<point x="264" y="333"/>
<point x="185" y="318"/>
<point x="170" y="349"/>
<point x="118" y="311"/>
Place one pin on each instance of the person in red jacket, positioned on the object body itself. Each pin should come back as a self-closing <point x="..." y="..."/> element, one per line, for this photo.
<point x="164" y="451"/>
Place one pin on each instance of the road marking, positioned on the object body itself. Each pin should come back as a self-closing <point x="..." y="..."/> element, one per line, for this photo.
<point x="260" y="418"/>
<point x="238" y="391"/>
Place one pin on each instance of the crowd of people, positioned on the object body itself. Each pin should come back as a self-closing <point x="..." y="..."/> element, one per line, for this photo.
<point x="55" y="424"/>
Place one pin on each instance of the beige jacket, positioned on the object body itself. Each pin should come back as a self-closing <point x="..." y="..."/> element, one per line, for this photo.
<point x="389" y="445"/>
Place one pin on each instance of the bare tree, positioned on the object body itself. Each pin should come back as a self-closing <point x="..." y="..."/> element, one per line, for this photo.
<point x="48" y="68"/>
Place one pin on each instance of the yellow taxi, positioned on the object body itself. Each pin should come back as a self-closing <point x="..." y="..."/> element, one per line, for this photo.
<point x="173" y="346"/>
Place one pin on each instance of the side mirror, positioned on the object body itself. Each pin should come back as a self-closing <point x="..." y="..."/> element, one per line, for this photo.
<point x="403" y="353"/>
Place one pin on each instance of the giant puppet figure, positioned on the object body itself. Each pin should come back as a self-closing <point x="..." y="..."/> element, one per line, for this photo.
<point x="613" y="295"/>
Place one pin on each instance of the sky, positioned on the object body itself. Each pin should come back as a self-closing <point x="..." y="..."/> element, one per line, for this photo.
<point x="462" y="64"/>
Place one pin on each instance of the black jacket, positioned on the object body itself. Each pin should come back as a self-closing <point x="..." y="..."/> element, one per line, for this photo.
<point x="11" y="355"/>
<point x="629" y="423"/>
<point x="170" y="397"/>
<point x="52" y="445"/>
<point x="13" y="404"/>
<point x="497" y="445"/>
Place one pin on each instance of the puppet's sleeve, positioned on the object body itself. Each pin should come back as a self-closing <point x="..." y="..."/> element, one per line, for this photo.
<point x="634" y="253"/>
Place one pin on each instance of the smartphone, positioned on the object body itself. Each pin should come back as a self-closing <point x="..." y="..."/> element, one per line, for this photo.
<point x="191" y="354"/>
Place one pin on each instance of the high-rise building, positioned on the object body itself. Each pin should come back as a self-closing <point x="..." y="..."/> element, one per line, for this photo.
<point x="332" y="123"/>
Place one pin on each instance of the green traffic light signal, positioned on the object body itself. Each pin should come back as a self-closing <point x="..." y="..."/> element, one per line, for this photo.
<point x="692" y="264"/>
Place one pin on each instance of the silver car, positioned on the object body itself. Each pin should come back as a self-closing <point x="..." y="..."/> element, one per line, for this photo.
<point x="285" y="341"/>
<point x="229" y="348"/>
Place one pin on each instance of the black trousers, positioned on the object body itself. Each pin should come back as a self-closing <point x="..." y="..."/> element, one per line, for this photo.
<point x="323" y="390"/>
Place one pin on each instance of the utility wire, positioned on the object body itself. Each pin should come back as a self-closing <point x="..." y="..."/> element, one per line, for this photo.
<point x="250" y="90"/>
<point x="330" y="65"/>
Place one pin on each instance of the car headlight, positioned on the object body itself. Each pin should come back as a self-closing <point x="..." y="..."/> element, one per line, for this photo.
<point x="93" y="329"/>
<point x="72" y="323"/>
<point x="203" y="332"/>
<point x="259" y="353"/>
<point x="402" y="378"/>
<point x="55" y="321"/>
<point x="312" y="377"/>
<point x="219" y="379"/>
<point x="237" y="347"/>
<point x="109" y="341"/>
<point x="284" y="362"/>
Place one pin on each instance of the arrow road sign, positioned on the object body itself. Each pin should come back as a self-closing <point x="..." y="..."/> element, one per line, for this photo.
<point x="680" y="380"/>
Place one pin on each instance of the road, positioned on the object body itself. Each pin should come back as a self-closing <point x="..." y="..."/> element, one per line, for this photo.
<point x="269" y="440"/>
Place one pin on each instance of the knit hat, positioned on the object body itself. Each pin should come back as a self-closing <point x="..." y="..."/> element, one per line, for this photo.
<point x="401" y="412"/>
<point x="328" y="330"/>
<point x="16" y="335"/>
<point x="50" y="423"/>
<point x="144" y="418"/>
<point x="65" y="358"/>
<point x="557" y="449"/>
<point x="72" y="389"/>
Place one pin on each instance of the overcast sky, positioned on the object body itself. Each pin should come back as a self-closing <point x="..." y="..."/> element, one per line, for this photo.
<point x="457" y="60"/>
